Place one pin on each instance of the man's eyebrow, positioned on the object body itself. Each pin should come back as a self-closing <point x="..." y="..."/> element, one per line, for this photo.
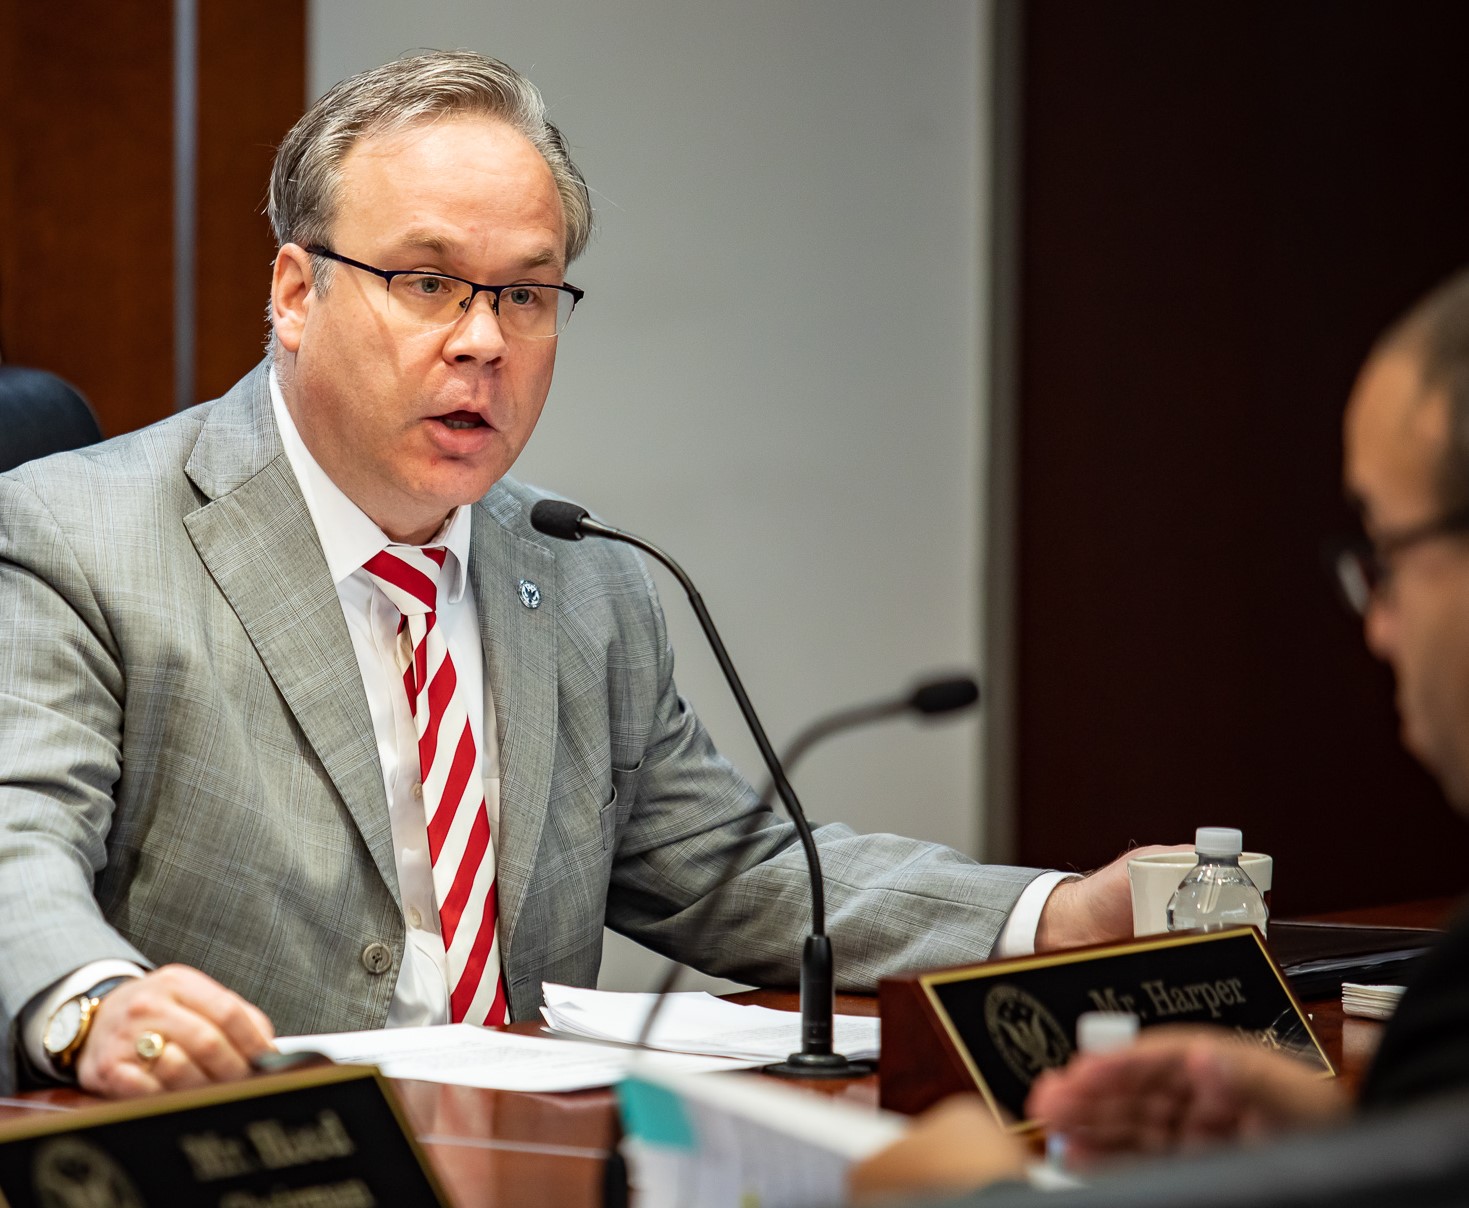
<point x="547" y="255"/>
<point x="431" y="241"/>
<point x="428" y="241"/>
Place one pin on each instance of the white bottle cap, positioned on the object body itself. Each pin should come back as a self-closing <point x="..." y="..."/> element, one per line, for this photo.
<point x="1105" y="1031"/>
<point x="1218" y="841"/>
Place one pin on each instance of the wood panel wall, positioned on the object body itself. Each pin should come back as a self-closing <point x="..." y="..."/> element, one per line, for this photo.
<point x="86" y="191"/>
<point x="86" y="256"/>
<point x="1221" y="203"/>
<point x="252" y="88"/>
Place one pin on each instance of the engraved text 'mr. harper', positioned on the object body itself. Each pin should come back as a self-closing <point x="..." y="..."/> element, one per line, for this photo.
<point x="1194" y="997"/>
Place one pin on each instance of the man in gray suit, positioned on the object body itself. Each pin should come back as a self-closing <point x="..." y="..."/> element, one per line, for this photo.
<point x="207" y="753"/>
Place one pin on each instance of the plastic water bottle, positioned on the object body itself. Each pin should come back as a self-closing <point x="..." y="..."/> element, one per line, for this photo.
<point x="1096" y="1032"/>
<point x="1217" y="892"/>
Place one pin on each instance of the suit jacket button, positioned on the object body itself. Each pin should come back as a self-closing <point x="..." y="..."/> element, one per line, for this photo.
<point x="377" y="958"/>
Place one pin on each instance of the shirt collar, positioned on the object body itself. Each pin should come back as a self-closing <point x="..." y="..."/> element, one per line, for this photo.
<point x="347" y="534"/>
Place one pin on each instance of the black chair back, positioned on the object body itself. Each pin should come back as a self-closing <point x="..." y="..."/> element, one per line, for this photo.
<point x="40" y="414"/>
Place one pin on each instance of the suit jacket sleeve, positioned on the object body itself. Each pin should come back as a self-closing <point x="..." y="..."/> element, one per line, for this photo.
<point x="61" y="694"/>
<point x="702" y="873"/>
<point x="187" y="768"/>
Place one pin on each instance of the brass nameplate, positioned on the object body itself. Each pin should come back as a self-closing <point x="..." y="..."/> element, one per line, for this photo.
<point x="323" y="1138"/>
<point x="993" y="1028"/>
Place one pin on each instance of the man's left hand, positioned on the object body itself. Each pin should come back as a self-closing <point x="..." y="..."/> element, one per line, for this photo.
<point x="1094" y="909"/>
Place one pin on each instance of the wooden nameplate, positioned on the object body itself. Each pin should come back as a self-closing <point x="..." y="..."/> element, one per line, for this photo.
<point x="992" y="1028"/>
<point x="329" y="1138"/>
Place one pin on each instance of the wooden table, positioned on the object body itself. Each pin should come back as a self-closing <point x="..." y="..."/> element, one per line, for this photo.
<point x="501" y="1149"/>
<point x="1350" y="1042"/>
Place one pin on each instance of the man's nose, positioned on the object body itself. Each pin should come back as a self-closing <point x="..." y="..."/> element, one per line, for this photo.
<point x="1378" y="626"/>
<point x="476" y="335"/>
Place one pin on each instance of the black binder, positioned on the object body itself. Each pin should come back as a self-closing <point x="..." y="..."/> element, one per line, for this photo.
<point x="1318" y="957"/>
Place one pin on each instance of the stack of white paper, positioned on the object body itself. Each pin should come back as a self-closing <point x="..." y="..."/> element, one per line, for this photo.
<point x="695" y="1022"/>
<point x="469" y="1056"/>
<point x="1370" y="1002"/>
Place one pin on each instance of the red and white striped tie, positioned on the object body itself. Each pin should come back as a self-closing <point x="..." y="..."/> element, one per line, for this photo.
<point x="459" y="846"/>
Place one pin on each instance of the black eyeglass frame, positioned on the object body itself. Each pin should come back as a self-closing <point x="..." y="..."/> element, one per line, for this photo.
<point x="1360" y="564"/>
<point x="475" y="288"/>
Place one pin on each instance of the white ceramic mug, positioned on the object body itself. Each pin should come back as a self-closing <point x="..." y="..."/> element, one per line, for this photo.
<point x="1155" y="878"/>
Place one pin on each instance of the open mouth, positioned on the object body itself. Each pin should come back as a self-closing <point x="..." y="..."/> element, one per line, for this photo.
<point x="460" y="421"/>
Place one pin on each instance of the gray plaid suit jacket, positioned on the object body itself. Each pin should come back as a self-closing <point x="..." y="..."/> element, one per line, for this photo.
<point x="188" y="770"/>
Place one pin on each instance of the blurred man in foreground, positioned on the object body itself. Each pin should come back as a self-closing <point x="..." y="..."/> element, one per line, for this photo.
<point x="1407" y="469"/>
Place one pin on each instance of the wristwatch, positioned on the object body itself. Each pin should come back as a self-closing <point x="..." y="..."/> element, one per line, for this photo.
<point x="66" y="1030"/>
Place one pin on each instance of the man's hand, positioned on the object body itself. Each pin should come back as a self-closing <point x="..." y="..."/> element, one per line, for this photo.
<point x="1094" y="909"/>
<point x="952" y="1147"/>
<point x="1179" y="1088"/>
<point x="210" y="1034"/>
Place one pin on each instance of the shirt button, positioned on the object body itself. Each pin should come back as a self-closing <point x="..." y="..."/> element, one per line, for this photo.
<point x="418" y="790"/>
<point x="414" y="918"/>
<point x="377" y="958"/>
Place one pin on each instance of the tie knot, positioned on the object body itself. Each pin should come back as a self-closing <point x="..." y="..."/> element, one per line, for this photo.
<point x="409" y="576"/>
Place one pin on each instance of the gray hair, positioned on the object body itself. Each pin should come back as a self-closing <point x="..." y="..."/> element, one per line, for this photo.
<point x="1435" y="332"/>
<point x="306" y="178"/>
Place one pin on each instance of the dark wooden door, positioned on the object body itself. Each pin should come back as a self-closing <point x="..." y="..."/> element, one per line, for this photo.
<point x="1220" y="205"/>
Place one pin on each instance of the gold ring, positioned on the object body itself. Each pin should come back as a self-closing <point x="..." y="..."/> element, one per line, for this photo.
<point x="149" y="1046"/>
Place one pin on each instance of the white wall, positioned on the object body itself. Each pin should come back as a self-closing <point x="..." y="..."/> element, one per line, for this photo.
<point x="776" y="373"/>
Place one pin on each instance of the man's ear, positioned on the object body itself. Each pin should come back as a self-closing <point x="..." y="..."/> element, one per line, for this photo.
<point x="291" y="295"/>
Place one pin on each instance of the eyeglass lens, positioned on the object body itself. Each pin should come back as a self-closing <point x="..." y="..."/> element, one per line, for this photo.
<point x="533" y="311"/>
<point x="1357" y="576"/>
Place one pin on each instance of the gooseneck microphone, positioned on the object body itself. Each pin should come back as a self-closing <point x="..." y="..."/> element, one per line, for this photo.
<point x="931" y="698"/>
<point x="570" y="522"/>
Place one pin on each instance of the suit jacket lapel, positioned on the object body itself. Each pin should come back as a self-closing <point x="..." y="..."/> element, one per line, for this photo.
<point x="257" y="539"/>
<point x="520" y="654"/>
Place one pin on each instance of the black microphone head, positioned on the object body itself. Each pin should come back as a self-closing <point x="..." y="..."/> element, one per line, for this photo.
<point x="944" y="695"/>
<point x="558" y="518"/>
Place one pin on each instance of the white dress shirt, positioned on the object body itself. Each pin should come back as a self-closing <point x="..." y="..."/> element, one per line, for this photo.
<point x="349" y="539"/>
<point x="1017" y="936"/>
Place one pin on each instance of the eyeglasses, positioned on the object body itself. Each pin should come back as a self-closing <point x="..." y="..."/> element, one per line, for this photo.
<point x="1363" y="567"/>
<point x="526" y="310"/>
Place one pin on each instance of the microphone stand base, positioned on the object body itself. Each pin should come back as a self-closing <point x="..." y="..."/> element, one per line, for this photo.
<point x="819" y="1065"/>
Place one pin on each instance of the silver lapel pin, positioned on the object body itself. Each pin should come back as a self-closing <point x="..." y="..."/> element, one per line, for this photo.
<point x="530" y="594"/>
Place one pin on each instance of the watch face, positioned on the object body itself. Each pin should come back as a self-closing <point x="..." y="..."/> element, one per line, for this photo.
<point x="62" y="1028"/>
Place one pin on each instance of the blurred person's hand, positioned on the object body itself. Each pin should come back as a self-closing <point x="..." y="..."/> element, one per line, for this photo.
<point x="952" y="1147"/>
<point x="1180" y="1088"/>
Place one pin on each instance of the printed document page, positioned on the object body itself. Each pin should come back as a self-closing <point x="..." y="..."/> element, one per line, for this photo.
<point x="464" y="1055"/>
<point x="695" y="1022"/>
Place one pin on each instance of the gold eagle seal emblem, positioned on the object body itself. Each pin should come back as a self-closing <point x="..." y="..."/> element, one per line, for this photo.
<point x="1025" y="1032"/>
